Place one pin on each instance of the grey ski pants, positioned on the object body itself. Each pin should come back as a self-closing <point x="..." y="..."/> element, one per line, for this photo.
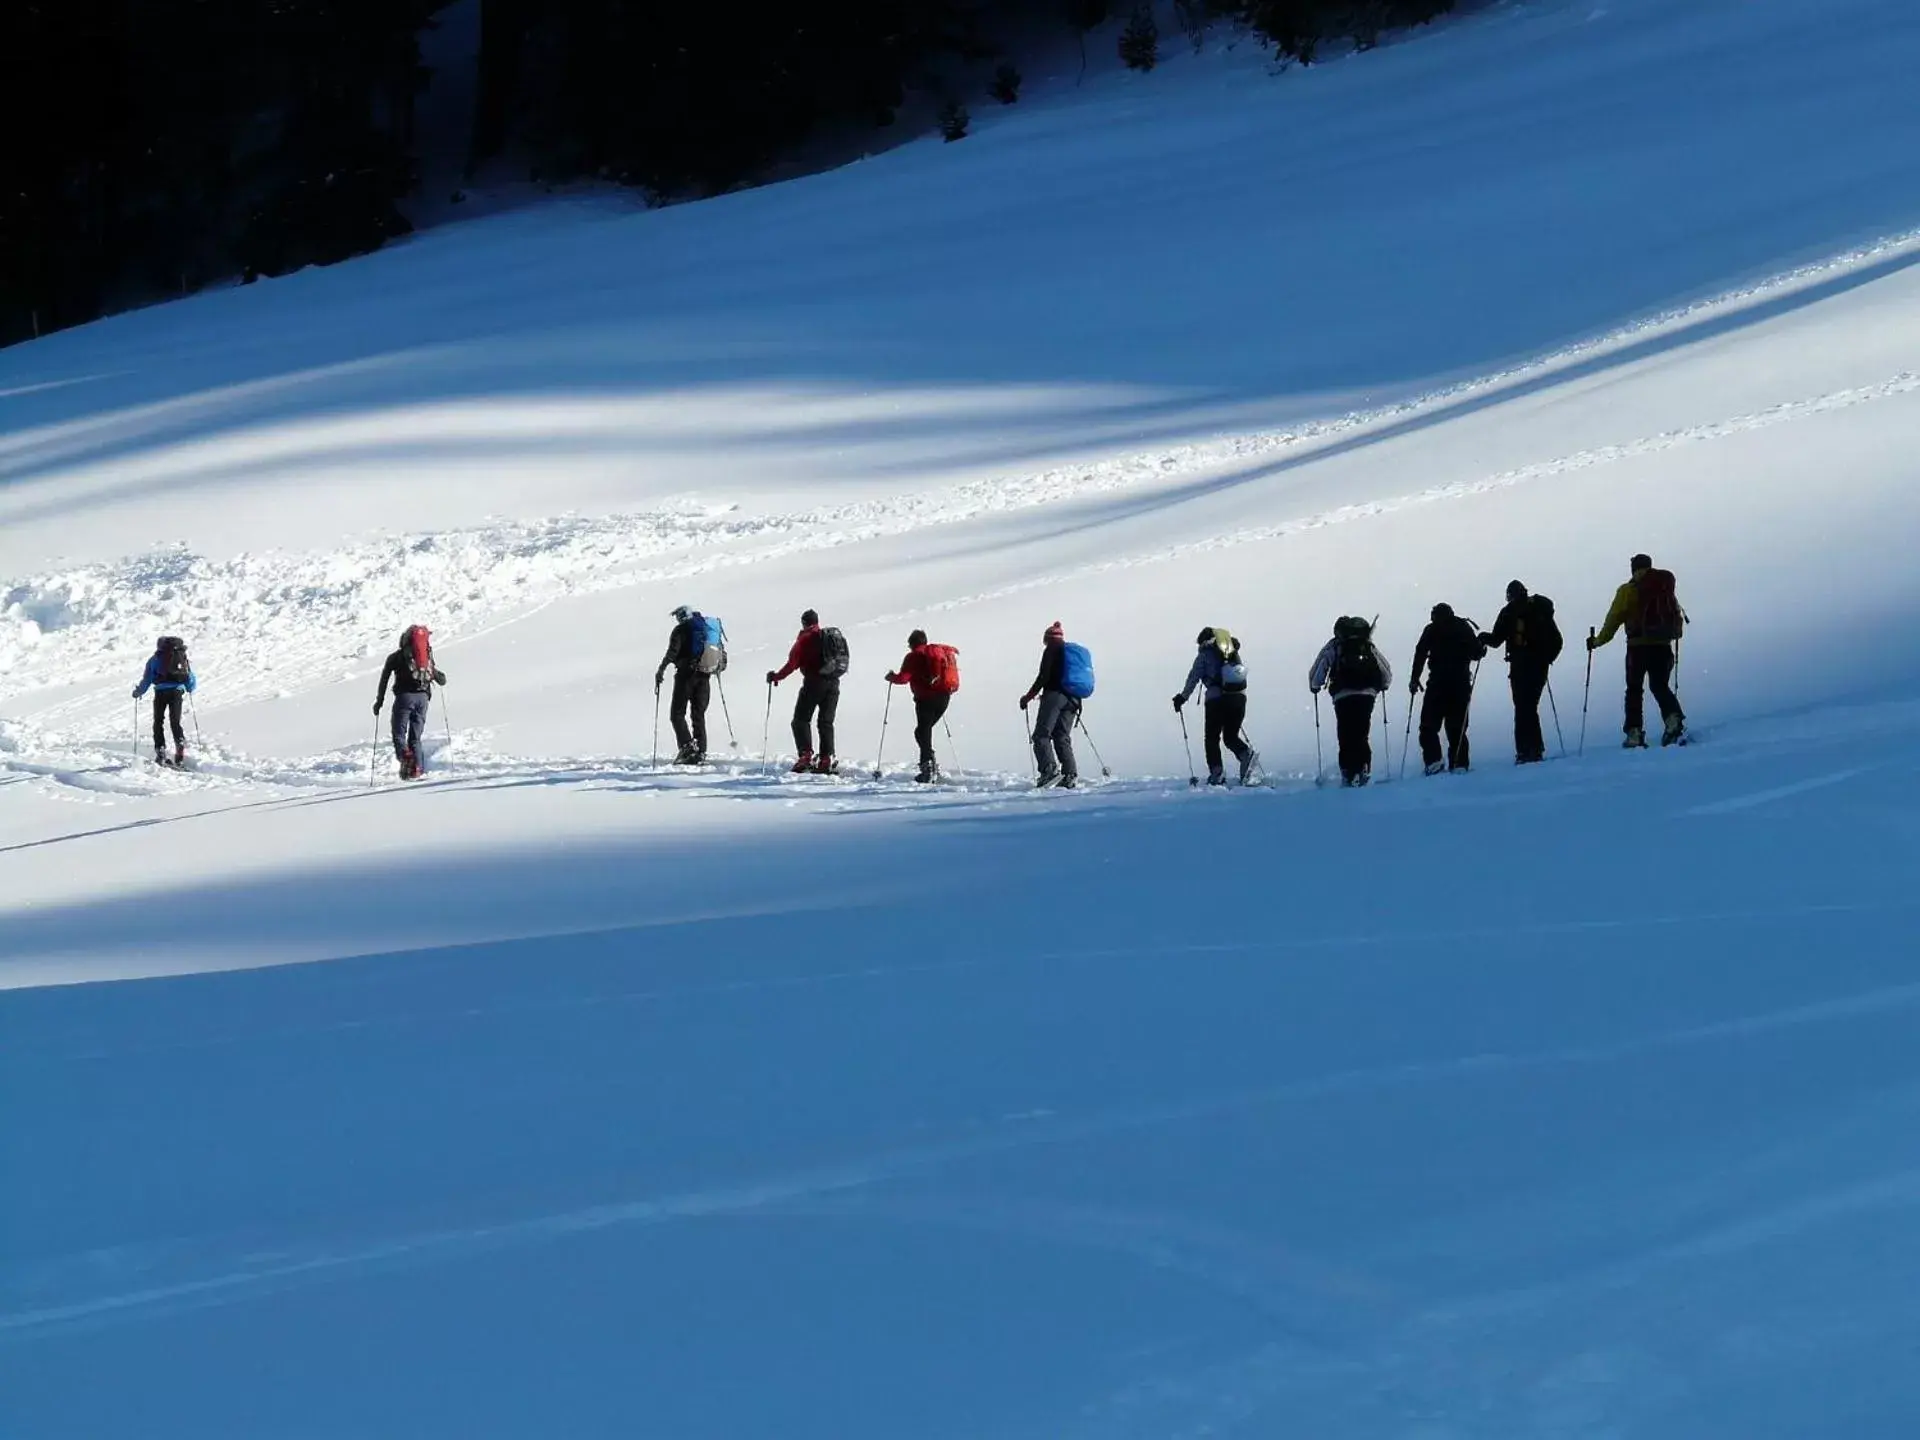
<point x="1053" y="735"/>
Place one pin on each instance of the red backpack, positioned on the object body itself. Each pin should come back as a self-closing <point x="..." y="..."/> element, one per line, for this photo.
<point x="1661" y="617"/>
<point x="420" y="654"/>
<point x="943" y="669"/>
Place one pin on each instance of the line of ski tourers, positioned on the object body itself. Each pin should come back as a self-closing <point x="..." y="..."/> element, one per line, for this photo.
<point x="1349" y="668"/>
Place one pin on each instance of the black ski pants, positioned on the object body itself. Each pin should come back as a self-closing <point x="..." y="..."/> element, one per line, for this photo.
<point x="409" y="722"/>
<point x="927" y="713"/>
<point x="1529" y="684"/>
<point x="1652" y="664"/>
<point x="166" y="711"/>
<point x="819" y="695"/>
<point x="692" y="693"/>
<point x="1353" y="723"/>
<point x="1445" y="707"/>
<point x="1053" y="735"/>
<point x="1225" y="716"/>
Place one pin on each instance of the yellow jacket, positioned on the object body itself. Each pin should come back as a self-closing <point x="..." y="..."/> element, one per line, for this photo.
<point x="1626" y="605"/>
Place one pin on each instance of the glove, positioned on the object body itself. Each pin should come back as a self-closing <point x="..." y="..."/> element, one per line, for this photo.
<point x="1025" y="700"/>
<point x="659" y="678"/>
<point x="1591" y="647"/>
<point x="1413" y="687"/>
<point x="892" y="679"/>
<point x="376" y="707"/>
<point x="1486" y="641"/>
<point x="773" y="677"/>
<point x="136" y="694"/>
<point x="1179" y="701"/>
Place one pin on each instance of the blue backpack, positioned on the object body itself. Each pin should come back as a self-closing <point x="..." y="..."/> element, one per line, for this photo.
<point x="1076" y="671"/>
<point x="706" y="644"/>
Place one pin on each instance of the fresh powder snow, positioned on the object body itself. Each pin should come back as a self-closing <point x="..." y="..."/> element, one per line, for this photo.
<point x="564" y="1093"/>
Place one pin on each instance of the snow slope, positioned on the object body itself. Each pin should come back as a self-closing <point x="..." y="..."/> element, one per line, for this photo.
<point x="1571" y="1101"/>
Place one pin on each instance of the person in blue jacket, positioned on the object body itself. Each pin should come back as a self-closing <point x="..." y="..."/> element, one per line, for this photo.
<point x="170" y="677"/>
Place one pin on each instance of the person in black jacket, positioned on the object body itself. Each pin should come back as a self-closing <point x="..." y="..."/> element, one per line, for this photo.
<point x="1448" y="651"/>
<point x="692" y="690"/>
<point x="1053" y="722"/>
<point x="1526" y="627"/>
<point x="412" y="693"/>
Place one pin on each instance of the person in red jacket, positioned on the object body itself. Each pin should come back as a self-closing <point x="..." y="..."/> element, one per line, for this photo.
<point x="930" y="700"/>
<point x="819" y="695"/>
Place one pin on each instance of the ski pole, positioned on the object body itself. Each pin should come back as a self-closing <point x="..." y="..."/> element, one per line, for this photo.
<point x="766" y="730"/>
<point x="373" y="759"/>
<point x="1319" y="755"/>
<point x="1587" y="695"/>
<point x="446" y="720"/>
<point x="885" y="712"/>
<point x="193" y="712"/>
<point x="1386" y="738"/>
<point x="721" y="683"/>
<point x="136" y="727"/>
<point x="1193" y="779"/>
<point x="655" y="765"/>
<point x="1080" y="719"/>
<point x="1552" y="705"/>
<point x="952" y="749"/>
<point x="1406" y="740"/>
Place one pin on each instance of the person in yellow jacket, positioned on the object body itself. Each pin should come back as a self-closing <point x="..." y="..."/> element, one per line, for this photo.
<point x="1649" y="611"/>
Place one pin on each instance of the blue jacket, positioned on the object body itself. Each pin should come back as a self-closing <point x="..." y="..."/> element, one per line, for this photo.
<point x="151" y="679"/>
<point x="1209" y="667"/>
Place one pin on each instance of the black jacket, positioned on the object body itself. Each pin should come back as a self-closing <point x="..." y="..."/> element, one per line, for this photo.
<point x="1053" y="669"/>
<point x="1450" y="647"/>
<point x="1526" y="627"/>
<point x="679" y="649"/>
<point x="399" y="670"/>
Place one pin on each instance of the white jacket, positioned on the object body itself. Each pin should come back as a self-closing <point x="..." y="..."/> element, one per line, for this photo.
<point x="1323" y="668"/>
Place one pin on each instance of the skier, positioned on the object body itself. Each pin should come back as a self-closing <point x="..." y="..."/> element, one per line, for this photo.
<point x="688" y="647"/>
<point x="413" y="672"/>
<point x="1526" y="627"/>
<point x="1352" y="668"/>
<point x="170" y="676"/>
<point x="820" y="655"/>
<point x="934" y="673"/>
<point x="1650" y="611"/>
<point x="1053" y="722"/>
<point x="1218" y="669"/>
<point x="1449" y="648"/>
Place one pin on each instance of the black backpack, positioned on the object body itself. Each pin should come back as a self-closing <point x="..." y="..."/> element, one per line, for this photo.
<point x="1355" y="666"/>
<point x="834" y="656"/>
<point x="173" y="668"/>
<point x="1544" y="640"/>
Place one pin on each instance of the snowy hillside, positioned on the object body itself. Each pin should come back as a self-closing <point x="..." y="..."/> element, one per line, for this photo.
<point x="1573" y="1100"/>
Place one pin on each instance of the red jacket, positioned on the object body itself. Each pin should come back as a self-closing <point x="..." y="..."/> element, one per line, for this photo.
<point x="916" y="670"/>
<point x="804" y="656"/>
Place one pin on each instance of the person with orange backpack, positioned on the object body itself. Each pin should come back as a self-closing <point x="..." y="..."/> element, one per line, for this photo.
<point x="1647" y="607"/>
<point x="412" y="671"/>
<point x="934" y="673"/>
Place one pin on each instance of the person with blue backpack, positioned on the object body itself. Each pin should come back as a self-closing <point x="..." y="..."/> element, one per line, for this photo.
<point x="170" y="677"/>
<point x="696" y="651"/>
<point x="1220" y="672"/>
<point x="1064" y="681"/>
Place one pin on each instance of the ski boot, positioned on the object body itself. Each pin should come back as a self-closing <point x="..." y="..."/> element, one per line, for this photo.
<point x="180" y="757"/>
<point x="1216" y="777"/>
<point x="1069" y="782"/>
<point x="160" y="756"/>
<point x="929" y="772"/>
<point x="803" y="763"/>
<point x="1047" y="780"/>
<point x="1434" y="767"/>
<point x="825" y="765"/>
<point x="1675" y="732"/>
<point x="1636" y="740"/>
<point x="1248" y="765"/>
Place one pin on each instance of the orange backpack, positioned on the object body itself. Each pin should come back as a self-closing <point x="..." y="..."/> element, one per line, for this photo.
<point x="943" y="669"/>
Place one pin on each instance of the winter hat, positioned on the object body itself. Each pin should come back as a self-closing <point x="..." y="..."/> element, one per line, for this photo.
<point x="1205" y="637"/>
<point x="1442" y="611"/>
<point x="1516" y="591"/>
<point x="809" y="617"/>
<point x="1639" y="563"/>
<point x="680" y="612"/>
<point x="1055" y="631"/>
<point x="916" y="639"/>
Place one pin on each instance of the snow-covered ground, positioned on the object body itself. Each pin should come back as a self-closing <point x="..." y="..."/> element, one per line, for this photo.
<point x="1578" y="1100"/>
